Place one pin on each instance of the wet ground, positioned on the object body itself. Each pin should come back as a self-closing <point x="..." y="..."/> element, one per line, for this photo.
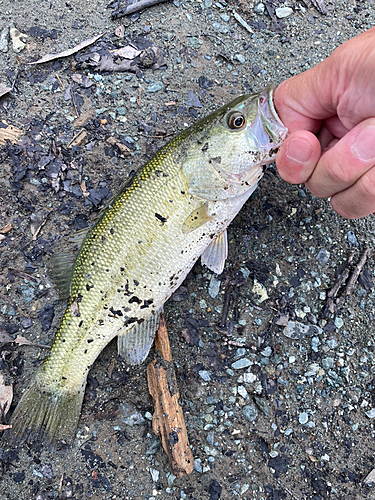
<point x="278" y="394"/>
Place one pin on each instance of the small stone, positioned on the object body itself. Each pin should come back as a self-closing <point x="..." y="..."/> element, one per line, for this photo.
<point x="312" y="370"/>
<point x="296" y="330"/>
<point x="283" y="12"/>
<point x="154" y="474"/>
<point x="267" y="351"/>
<point x="332" y="342"/>
<point x="26" y="323"/>
<point x="249" y="378"/>
<point x="170" y="479"/>
<point x="121" y="111"/>
<point x="260" y="290"/>
<point x="130" y="415"/>
<point x="18" y="40"/>
<point x="288" y="432"/>
<point x="327" y="363"/>
<point x="241" y="363"/>
<point x="250" y="413"/>
<point x="339" y="322"/>
<point x="303" y="418"/>
<point x="240" y="353"/>
<point x="259" y="9"/>
<point x="198" y="465"/>
<point x="240" y="58"/>
<point x="242" y="391"/>
<point x="148" y="415"/>
<point x="203" y="304"/>
<point x="220" y="28"/>
<point x="205" y="375"/>
<point x="4" y="40"/>
<point x="352" y="239"/>
<point x="323" y="256"/>
<point x="214" y="287"/>
<point x="225" y="17"/>
<point x="155" y="87"/>
<point x="370" y="413"/>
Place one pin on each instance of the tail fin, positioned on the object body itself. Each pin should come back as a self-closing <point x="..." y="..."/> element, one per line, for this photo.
<point x="51" y="417"/>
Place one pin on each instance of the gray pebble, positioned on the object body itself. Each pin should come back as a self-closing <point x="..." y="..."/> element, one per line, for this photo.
<point x="154" y="474"/>
<point x="259" y="9"/>
<point x="370" y="413"/>
<point x="240" y="58"/>
<point x="332" y="342"/>
<point x="352" y="240"/>
<point x="214" y="287"/>
<point x="282" y="12"/>
<point x="241" y="363"/>
<point x="220" y="28"/>
<point x="155" y="87"/>
<point x="267" y="351"/>
<point x="323" y="256"/>
<point x="240" y="353"/>
<point x="130" y="415"/>
<point x="303" y="418"/>
<point x="296" y="330"/>
<point x="312" y="370"/>
<point x="4" y="40"/>
<point x="198" y="465"/>
<point x="250" y="413"/>
<point x="327" y="363"/>
<point x="205" y="375"/>
<point x="225" y="17"/>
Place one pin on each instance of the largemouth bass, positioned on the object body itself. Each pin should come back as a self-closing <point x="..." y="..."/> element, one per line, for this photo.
<point x="174" y="210"/>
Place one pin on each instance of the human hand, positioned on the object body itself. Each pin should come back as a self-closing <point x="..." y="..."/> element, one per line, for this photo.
<point x="336" y="101"/>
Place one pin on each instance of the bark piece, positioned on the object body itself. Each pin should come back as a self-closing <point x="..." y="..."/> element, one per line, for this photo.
<point x="168" y="420"/>
<point x="10" y="133"/>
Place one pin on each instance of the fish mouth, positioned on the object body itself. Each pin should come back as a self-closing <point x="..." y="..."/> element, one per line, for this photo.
<point x="267" y="131"/>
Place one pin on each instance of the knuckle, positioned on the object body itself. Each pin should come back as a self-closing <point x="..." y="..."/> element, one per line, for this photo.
<point x="339" y="172"/>
<point x="367" y="185"/>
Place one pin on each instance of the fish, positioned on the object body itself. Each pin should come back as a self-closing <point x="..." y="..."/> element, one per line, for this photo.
<point x="175" y="209"/>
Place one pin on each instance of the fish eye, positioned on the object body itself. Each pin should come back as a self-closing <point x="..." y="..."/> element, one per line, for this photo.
<point x="236" y="120"/>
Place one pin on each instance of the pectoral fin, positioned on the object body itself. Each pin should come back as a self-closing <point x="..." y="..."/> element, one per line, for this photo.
<point x="133" y="345"/>
<point x="196" y="219"/>
<point x="216" y="253"/>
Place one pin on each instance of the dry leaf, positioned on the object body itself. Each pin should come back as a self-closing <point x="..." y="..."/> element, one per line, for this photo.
<point x="69" y="52"/>
<point x="114" y="142"/>
<point x="23" y="341"/>
<point x="128" y="52"/>
<point x="6" y="395"/>
<point x="9" y="133"/>
<point x="4" y="89"/>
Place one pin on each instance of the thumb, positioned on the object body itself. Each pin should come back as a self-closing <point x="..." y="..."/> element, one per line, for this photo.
<point x="298" y="156"/>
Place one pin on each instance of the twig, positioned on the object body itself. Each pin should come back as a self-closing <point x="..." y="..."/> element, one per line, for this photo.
<point x="60" y="81"/>
<point x="168" y="420"/>
<point x="135" y="7"/>
<point x="334" y="302"/>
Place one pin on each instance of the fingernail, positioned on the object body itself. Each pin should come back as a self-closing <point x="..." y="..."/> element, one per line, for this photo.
<point x="299" y="150"/>
<point x="364" y="144"/>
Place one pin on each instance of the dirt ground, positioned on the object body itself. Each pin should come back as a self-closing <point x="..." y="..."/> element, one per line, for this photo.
<point x="278" y="396"/>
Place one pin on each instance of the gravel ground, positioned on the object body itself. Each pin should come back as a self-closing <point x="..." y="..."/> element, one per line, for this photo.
<point x="278" y="396"/>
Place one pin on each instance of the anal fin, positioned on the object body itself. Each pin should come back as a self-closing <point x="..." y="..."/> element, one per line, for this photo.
<point x="216" y="253"/>
<point x="133" y="345"/>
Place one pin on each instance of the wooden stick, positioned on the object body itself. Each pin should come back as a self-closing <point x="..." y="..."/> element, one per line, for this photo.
<point x="168" y="420"/>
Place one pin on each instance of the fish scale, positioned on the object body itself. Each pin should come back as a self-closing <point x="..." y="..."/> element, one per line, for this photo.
<point x="174" y="210"/>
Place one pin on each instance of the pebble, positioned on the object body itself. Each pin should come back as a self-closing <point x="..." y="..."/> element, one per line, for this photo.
<point x="352" y="240"/>
<point x="18" y="40"/>
<point x="323" y="256"/>
<point x="242" y="391"/>
<point x="327" y="363"/>
<point x="155" y="87"/>
<point x="267" y="351"/>
<point x="205" y="375"/>
<point x="282" y="12"/>
<point x="250" y="413"/>
<point x="296" y="330"/>
<point x="154" y="474"/>
<point x="259" y="9"/>
<point x="312" y="370"/>
<point x="4" y="40"/>
<point x="370" y="413"/>
<point x="198" y="465"/>
<point x="220" y="28"/>
<point x="130" y="415"/>
<point x="241" y="363"/>
<point x="249" y="378"/>
<point x="240" y="58"/>
<point x="339" y="322"/>
<point x="303" y="418"/>
<point x="225" y="17"/>
<point x="332" y="342"/>
<point x="260" y="290"/>
<point x="214" y="287"/>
